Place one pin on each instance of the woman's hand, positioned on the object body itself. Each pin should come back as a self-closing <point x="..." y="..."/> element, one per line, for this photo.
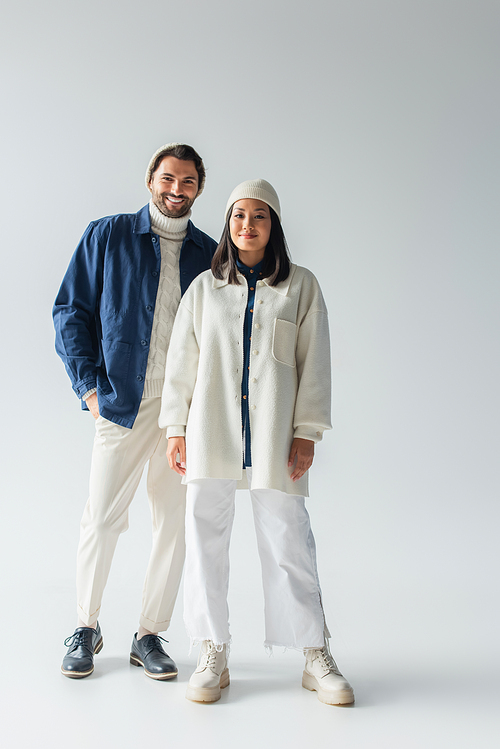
<point x="303" y="450"/>
<point x="177" y="447"/>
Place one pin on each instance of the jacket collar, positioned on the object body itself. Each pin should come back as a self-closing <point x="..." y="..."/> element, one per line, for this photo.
<point x="142" y="225"/>
<point x="281" y="288"/>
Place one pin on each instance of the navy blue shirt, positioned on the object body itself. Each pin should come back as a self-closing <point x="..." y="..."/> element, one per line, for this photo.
<point x="103" y="313"/>
<point x="252" y="275"/>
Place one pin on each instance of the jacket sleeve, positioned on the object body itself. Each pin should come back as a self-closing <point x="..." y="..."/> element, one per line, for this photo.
<point x="313" y="402"/>
<point x="74" y="312"/>
<point x="180" y="374"/>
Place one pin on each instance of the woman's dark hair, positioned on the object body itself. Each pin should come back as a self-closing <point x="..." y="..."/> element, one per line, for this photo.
<point x="276" y="265"/>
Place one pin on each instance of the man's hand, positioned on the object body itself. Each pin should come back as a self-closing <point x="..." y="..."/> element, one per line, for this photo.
<point x="303" y="451"/>
<point x="177" y="447"/>
<point x="93" y="405"/>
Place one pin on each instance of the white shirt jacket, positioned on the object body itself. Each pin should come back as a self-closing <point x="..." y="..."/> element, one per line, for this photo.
<point x="289" y="378"/>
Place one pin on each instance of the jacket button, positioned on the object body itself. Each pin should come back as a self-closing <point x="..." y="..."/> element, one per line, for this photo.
<point x="149" y="307"/>
<point x="153" y="239"/>
<point x="143" y="343"/>
<point x="140" y="378"/>
<point x="154" y="273"/>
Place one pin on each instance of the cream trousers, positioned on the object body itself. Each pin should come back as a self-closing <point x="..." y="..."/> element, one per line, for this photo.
<point x="118" y="460"/>
<point x="293" y="610"/>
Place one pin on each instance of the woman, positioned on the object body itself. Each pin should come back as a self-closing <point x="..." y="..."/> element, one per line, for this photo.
<point x="246" y="396"/>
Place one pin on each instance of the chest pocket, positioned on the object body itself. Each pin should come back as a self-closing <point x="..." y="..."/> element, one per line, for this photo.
<point x="284" y="337"/>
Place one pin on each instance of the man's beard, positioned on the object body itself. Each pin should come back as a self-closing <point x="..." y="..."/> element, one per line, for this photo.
<point x="158" y="200"/>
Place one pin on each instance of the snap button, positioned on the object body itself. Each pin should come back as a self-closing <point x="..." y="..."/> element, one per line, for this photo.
<point x="143" y="343"/>
<point x="140" y="378"/>
<point x="149" y="307"/>
<point x="154" y="273"/>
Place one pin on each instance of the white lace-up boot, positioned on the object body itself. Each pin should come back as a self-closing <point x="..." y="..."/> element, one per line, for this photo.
<point x="211" y="674"/>
<point x="322" y="675"/>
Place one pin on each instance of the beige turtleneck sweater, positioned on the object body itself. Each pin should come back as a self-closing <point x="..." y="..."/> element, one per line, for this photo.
<point x="171" y="232"/>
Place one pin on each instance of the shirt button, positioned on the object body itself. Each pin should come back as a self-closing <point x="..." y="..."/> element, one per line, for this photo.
<point x="260" y="283"/>
<point x="140" y="378"/>
<point x="257" y="325"/>
<point x="143" y="343"/>
<point x="255" y="352"/>
<point x="149" y="307"/>
<point x="235" y="397"/>
<point x="318" y="434"/>
<point x="260" y="301"/>
<point x="253" y="408"/>
<point x="254" y="379"/>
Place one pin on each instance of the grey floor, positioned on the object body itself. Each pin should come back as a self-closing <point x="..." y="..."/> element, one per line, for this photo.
<point x="397" y="706"/>
<point x="422" y="664"/>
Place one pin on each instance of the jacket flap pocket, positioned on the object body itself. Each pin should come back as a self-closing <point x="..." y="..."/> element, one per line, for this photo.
<point x="284" y="336"/>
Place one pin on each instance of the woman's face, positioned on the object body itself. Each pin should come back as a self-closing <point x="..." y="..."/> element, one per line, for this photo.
<point x="250" y="226"/>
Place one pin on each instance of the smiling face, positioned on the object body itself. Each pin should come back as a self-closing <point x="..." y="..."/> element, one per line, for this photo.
<point x="250" y="227"/>
<point x="173" y="186"/>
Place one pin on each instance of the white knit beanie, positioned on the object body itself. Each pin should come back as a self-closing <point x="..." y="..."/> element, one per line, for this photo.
<point x="257" y="189"/>
<point x="164" y="151"/>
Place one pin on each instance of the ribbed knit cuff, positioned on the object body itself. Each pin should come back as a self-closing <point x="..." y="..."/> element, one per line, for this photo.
<point x="89" y="393"/>
<point x="152" y="388"/>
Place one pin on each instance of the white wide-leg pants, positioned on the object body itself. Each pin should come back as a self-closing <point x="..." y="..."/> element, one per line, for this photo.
<point x="118" y="459"/>
<point x="294" y="615"/>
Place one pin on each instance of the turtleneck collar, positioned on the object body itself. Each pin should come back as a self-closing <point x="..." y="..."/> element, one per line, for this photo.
<point x="165" y="226"/>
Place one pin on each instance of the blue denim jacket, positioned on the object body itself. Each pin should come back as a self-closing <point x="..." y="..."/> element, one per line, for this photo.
<point x="103" y="313"/>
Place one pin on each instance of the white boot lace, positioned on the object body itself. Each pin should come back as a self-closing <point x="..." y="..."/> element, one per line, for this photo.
<point x="326" y="660"/>
<point x="207" y="659"/>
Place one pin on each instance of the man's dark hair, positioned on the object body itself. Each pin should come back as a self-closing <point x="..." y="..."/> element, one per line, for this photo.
<point x="276" y="265"/>
<point x="184" y="153"/>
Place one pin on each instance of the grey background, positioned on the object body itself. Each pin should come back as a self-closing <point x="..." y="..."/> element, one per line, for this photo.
<point x="377" y="123"/>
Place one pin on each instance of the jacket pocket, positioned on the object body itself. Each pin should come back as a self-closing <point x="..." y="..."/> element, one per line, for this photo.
<point x="284" y="337"/>
<point x="116" y="356"/>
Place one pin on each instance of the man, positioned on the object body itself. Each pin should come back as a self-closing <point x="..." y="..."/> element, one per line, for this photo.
<point x="113" y="318"/>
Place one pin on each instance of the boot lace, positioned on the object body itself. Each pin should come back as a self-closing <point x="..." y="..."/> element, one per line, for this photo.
<point x="326" y="660"/>
<point x="208" y="658"/>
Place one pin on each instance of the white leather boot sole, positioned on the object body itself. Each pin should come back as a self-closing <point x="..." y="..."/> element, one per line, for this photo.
<point x="340" y="697"/>
<point x="208" y="694"/>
